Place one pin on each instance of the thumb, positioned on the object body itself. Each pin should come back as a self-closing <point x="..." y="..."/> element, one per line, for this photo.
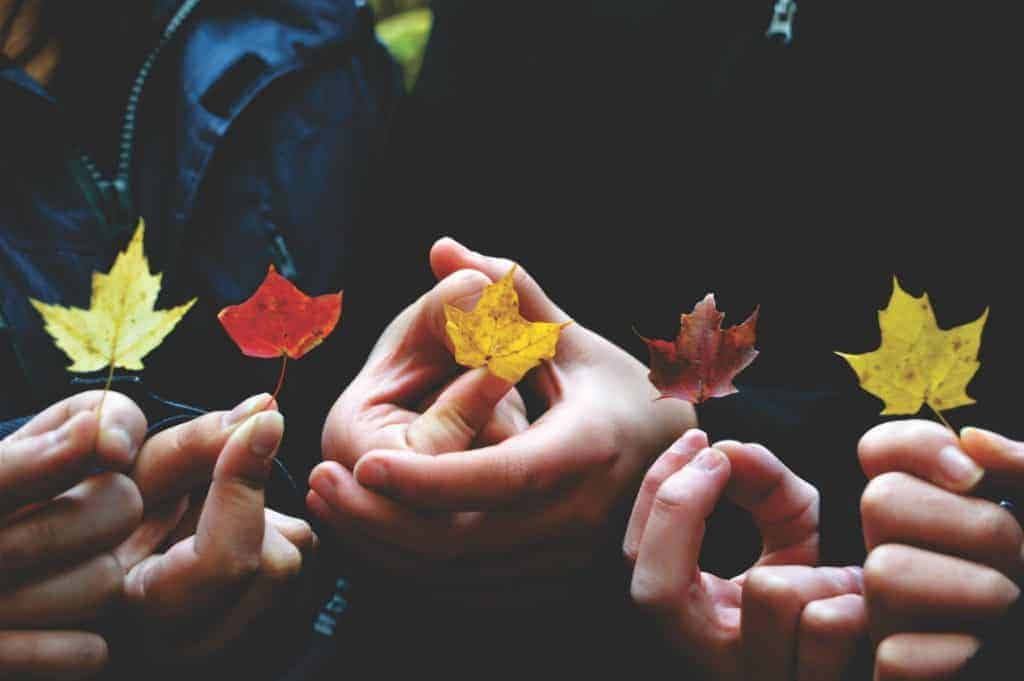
<point x="448" y="255"/>
<point x="460" y="412"/>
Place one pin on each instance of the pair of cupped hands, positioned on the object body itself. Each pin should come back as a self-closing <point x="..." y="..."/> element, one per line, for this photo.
<point x="436" y="474"/>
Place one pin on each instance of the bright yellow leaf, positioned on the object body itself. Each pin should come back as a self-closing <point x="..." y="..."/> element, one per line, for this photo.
<point x="918" y="363"/>
<point x="495" y="335"/>
<point x="120" y="327"/>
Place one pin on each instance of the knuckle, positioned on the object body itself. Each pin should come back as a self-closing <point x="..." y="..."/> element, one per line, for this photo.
<point x="121" y="492"/>
<point x="881" y="496"/>
<point x="882" y="565"/>
<point x="766" y="586"/>
<point x="651" y="592"/>
<point x="651" y="483"/>
<point x="284" y="567"/>
<point x="241" y="568"/>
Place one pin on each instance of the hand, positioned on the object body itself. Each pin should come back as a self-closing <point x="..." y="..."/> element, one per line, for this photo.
<point x="65" y="509"/>
<point x="942" y="564"/>
<point x="781" y="620"/>
<point x="231" y="560"/>
<point x="403" y="489"/>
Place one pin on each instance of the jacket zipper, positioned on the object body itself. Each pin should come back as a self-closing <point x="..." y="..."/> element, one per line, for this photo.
<point x="112" y="197"/>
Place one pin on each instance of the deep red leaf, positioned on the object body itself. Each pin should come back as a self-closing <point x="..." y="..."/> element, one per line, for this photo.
<point x="704" y="358"/>
<point x="279" y="319"/>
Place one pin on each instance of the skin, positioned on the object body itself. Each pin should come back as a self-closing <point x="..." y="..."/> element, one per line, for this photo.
<point x="61" y="532"/>
<point x="782" y="619"/>
<point x="463" y="488"/>
<point x="942" y="563"/>
<point x="227" y="543"/>
<point x="74" y="544"/>
<point x="43" y="65"/>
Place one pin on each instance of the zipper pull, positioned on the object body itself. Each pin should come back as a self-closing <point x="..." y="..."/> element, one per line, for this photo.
<point x="116" y="203"/>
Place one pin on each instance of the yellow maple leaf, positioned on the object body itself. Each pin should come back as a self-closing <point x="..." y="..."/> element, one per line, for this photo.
<point x="918" y="363"/>
<point x="120" y="327"/>
<point x="495" y="335"/>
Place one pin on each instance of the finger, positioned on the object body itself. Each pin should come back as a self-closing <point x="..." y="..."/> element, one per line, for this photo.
<point x="410" y="361"/>
<point x="56" y="655"/>
<point x="910" y="589"/>
<point x="509" y="419"/>
<point x="830" y="630"/>
<point x="351" y="506"/>
<point x="1000" y="456"/>
<point x="295" y="530"/>
<point x="225" y="551"/>
<point x="923" y="657"/>
<point x="177" y="460"/>
<point x="91" y="518"/>
<point x="81" y="593"/>
<point x="674" y="458"/>
<point x="897" y="508"/>
<point x="448" y="255"/>
<point x="386" y="559"/>
<point x="521" y="468"/>
<point x="921" y="448"/>
<point x="120" y="432"/>
<point x="155" y="529"/>
<point x="37" y="467"/>
<point x="666" y="565"/>
<point x="458" y="414"/>
<point x="774" y="598"/>
<point x="784" y="506"/>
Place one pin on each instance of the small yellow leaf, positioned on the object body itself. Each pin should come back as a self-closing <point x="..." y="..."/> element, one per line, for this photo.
<point x="120" y="327"/>
<point x="495" y="335"/>
<point x="918" y="363"/>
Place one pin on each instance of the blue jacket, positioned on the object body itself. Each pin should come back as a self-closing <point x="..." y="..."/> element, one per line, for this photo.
<point x="251" y="133"/>
<point x="251" y="144"/>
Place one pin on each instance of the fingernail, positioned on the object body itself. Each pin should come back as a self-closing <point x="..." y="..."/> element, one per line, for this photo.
<point x="263" y="432"/>
<point x="116" y="438"/>
<point x="958" y="468"/>
<point x="246" y="409"/>
<point x="372" y="474"/>
<point x="709" y="460"/>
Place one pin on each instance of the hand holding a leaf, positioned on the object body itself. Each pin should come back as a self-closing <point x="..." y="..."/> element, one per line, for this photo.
<point x="781" y="620"/>
<point x="537" y="498"/>
<point x="941" y="559"/>
<point x="63" y="527"/>
<point x="228" y="559"/>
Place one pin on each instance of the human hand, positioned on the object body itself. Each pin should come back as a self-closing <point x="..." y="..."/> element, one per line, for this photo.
<point x="534" y="501"/>
<point x="229" y="559"/>
<point x="942" y="564"/>
<point x="782" y="619"/>
<point x="65" y="509"/>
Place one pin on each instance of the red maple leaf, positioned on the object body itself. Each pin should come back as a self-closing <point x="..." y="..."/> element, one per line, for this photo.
<point x="279" y="320"/>
<point x="704" y="358"/>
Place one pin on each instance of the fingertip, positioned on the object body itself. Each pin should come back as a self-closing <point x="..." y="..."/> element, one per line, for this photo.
<point x="444" y="255"/>
<point x="121" y="431"/>
<point x="692" y="440"/>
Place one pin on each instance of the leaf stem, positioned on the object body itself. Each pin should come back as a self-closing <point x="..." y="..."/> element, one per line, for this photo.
<point x="280" y="379"/>
<point x="941" y="418"/>
<point x="106" y="389"/>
